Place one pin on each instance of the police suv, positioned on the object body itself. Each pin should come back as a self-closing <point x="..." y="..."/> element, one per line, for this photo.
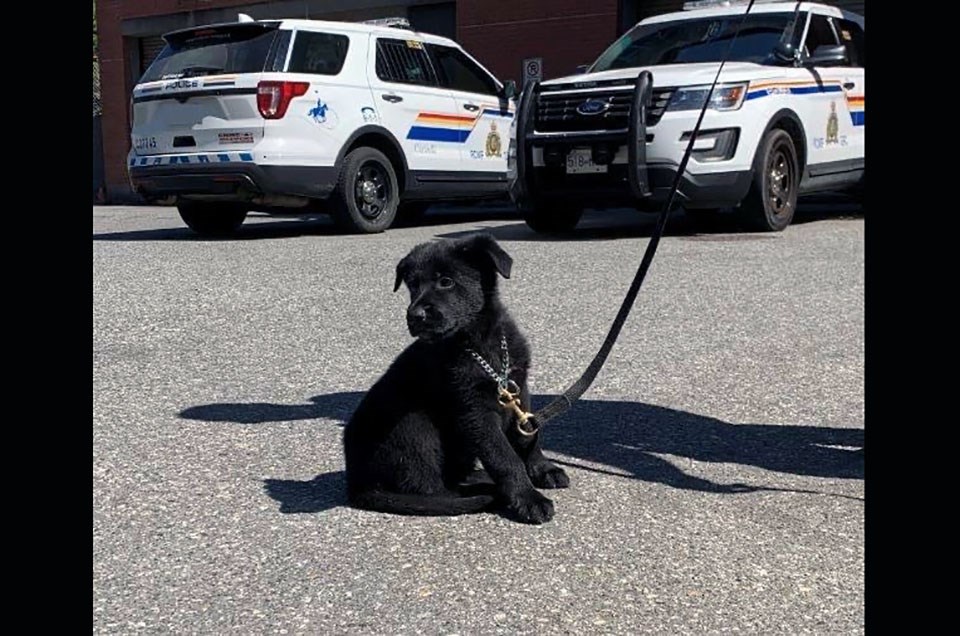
<point x="786" y="118"/>
<point x="355" y="119"/>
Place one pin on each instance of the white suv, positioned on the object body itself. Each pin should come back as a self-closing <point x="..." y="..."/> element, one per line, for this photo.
<point x="355" y="119"/>
<point x="786" y="118"/>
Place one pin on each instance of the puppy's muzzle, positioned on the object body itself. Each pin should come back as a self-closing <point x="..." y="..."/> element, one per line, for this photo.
<point x="422" y="319"/>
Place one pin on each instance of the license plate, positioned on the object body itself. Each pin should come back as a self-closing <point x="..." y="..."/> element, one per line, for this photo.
<point x="579" y="161"/>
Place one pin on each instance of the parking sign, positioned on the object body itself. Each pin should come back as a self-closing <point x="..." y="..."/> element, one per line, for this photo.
<point x="532" y="70"/>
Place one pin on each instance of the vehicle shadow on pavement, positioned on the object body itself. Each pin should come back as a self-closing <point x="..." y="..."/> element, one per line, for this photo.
<point x="628" y="438"/>
<point x="627" y="224"/>
<point x="259" y="227"/>
<point x="275" y="228"/>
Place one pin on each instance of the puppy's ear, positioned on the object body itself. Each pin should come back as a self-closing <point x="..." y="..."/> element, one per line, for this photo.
<point x="484" y="247"/>
<point x="401" y="272"/>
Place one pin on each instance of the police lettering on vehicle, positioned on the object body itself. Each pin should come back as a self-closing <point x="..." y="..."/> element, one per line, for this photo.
<point x="181" y="83"/>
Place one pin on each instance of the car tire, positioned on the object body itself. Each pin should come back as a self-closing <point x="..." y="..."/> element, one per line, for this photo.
<point x="772" y="200"/>
<point x="212" y="219"/>
<point x="367" y="196"/>
<point x="551" y="217"/>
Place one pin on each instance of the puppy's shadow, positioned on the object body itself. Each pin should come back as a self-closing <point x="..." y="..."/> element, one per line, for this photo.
<point x="628" y="439"/>
<point x="336" y="406"/>
<point x="323" y="492"/>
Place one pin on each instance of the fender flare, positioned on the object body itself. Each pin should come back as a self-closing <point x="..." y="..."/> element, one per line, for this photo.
<point x="790" y="114"/>
<point x="372" y="129"/>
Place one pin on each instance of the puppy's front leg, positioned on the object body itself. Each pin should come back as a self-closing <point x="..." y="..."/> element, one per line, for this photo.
<point x="506" y="468"/>
<point x="543" y="472"/>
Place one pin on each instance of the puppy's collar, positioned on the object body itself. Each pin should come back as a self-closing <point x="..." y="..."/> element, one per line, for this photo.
<point x="503" y="378"/>
<point x="508" y="392"/>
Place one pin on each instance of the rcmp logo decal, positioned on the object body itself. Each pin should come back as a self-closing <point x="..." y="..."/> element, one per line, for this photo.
<point x="494" y="145"/>
<point x="833" y="125"/>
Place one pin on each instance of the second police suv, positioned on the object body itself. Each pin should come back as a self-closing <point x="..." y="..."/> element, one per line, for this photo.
<point x="786" y="118"/>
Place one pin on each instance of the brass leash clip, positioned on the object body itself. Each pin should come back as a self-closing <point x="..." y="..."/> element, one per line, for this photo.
<point x="509" y="398"/>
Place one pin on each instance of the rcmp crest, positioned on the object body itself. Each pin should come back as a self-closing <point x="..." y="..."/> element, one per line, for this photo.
<point x="833" y="125"/>
<point x="494" y="146"/>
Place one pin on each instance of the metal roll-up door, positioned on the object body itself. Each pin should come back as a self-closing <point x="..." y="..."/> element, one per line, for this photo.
<point x="150" y="47"/>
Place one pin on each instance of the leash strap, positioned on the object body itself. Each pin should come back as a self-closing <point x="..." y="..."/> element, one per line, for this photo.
<point x="563" y="402"/>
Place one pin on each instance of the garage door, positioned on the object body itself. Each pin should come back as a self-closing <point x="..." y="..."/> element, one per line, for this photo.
<point x="150" y="47"/>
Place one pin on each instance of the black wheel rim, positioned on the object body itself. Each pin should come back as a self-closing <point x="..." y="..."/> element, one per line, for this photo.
<point x="781" y="172"/>
<point x="372" y="189"/>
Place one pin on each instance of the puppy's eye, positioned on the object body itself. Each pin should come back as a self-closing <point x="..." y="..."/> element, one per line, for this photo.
<point x="445" y="282"/>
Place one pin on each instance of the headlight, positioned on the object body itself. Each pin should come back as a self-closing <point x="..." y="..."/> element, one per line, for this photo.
<point x="725" y="97"/>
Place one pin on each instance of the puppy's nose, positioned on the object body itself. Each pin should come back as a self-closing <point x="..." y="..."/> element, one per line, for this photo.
<point x="417" y="314"/>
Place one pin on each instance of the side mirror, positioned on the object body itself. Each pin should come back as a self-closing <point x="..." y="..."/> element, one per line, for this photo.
<point x="509" y="89"/>
<point x="828" y="55"/>
<point x="582" y="68"/>
<point x="785" y="53"/>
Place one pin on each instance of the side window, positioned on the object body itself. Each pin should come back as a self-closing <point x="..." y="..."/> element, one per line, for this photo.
<point x="320" y="53"/>
<point x="819" y="34"/>
<point x="851" y="36"/>
<point x="458" y="72"/>
<point x="404" y="61"/>
<point x="277" y="56"/>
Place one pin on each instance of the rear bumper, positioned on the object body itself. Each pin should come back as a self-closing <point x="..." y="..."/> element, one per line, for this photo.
<point x="243" y="181"/>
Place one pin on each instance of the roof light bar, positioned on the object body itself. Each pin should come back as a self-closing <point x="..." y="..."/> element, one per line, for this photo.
<point x="691" y="5"/>
<point x="396" y="22"/>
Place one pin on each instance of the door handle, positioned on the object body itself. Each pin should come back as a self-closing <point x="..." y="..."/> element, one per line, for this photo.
<point x="849" y="85"/>
<point x="393" y="99"/>
<point x="471" y="107"/>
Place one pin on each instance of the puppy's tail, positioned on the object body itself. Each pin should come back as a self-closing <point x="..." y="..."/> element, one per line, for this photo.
<point x="449" y="504"/>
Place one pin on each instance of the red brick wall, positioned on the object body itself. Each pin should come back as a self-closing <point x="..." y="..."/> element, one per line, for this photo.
<point x="565" y="33"/>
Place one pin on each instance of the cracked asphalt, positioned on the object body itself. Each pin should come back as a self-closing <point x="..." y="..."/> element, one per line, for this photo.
<point x="716" y="464"/>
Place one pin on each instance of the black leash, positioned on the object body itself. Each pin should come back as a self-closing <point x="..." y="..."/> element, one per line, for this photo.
<point x="563" y="402"/>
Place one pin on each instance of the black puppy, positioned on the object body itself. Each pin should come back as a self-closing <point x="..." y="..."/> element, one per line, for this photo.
<point x="412" y="445"/>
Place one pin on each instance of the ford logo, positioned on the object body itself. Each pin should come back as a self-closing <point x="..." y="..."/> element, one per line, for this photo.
<point x="593" y="107"/>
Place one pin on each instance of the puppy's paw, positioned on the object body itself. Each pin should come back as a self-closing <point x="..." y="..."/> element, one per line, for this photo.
<point x="548" y="475"/>
<point x="531" y="507"/>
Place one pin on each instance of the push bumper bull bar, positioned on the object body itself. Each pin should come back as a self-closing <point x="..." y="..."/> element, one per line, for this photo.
<point x="524" y="189"/>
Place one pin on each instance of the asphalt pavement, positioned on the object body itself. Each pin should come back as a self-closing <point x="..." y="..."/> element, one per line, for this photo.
<point x="716" y="464"/>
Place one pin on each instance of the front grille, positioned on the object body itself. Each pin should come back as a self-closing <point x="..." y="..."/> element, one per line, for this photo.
<point x="557" y="112"/>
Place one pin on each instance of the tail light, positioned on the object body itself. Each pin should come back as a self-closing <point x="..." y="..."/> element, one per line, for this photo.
<point x="274" y="97"/>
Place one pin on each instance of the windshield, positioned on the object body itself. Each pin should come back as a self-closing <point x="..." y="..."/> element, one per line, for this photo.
<point x="700" y="40"/>
<point x="212" y="51"/>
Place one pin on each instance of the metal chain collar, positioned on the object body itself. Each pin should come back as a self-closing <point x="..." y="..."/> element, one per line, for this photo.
<point x="500" y="378"/>
<point x="508" y="393"/>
